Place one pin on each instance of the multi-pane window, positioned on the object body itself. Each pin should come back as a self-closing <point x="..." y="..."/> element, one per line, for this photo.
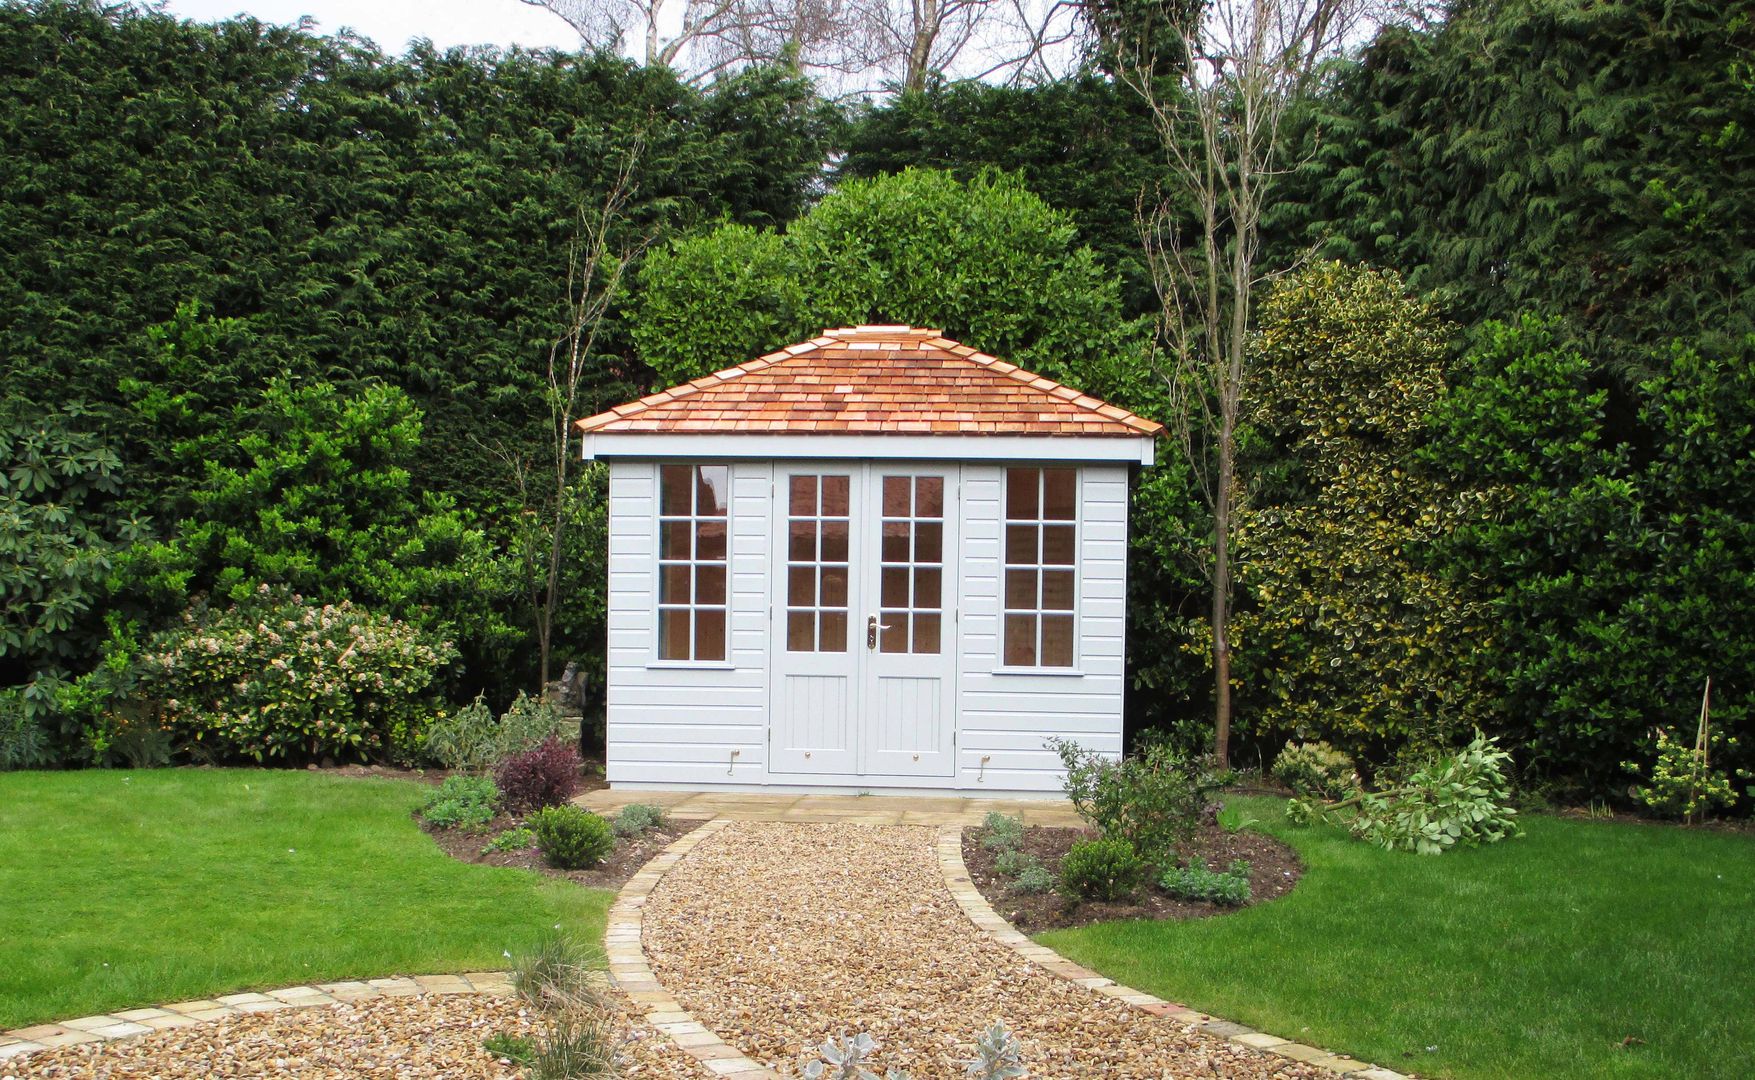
<point x="818" y="520"/>
<point x="911" y="564"/>
<point x="693" y="524"/>
<point x="1040" y="540"/>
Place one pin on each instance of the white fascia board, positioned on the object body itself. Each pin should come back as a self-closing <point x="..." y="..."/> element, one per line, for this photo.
<point x="603" y="447"/>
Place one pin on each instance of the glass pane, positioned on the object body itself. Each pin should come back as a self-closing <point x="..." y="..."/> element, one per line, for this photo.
<point x="710" y="540"/>
<point x="834" y="541"/>
<point x="834" y="496"/>
<point x="1020" y="640"/>
<point x="1057" y="590"/>
<point x="895" y="541"/>
<point x="673" y="489"/>
<point x="710" y="583"/>
<point x="802" y="545"/>
<point x="713" y="491"/>
<point x="926" y="632"/>
<point x="1020" y="589"/>
<point x="801" y="586"/>
<point x="1057" y="640"/>
<point x="673" y="540"/>
<point x="1020" y="493"/>
<point x="709" y="633"/>
<point x="800" y="631"/>
<point x="1020" y="545"/>
<point x="803" y="502"/>
<point x="894" y="592"/>
<point x="673" y="633"/>
<point x="928" y="589"/>
<point x="673" y="584"/>
<point x="929" y="542"/>
<point x="834" y="585"/>
<point x="929" y="496"/>
<point x="893" y="631"/>
<point x="895" y="496"/>
<point x="834" y="631"/>
<point x="1059" y="494"/>
<point x="1057" y="545"/>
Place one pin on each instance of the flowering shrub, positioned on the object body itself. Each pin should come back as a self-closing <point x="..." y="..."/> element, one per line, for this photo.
<point x="277" y="677"/>
<point x="547" y="775"/>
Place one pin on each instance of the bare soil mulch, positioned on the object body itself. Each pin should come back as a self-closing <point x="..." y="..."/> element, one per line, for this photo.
<point x="1273" y="869"/>
<point x="631" y="852"/>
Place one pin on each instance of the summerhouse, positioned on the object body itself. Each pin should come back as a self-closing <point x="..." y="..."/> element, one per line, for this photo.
<point x="875" y="561"/>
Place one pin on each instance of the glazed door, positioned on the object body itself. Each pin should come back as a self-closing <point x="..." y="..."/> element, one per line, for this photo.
<point x="907" y="720"/>
<point x="815" y="655"/>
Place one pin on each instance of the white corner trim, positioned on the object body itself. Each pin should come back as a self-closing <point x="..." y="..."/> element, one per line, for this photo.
<point x="599" y="447"/>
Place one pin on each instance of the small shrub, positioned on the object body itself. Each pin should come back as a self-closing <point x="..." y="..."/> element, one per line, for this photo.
<point x="514" y="1048"/>
<point x="466" y="802"/>
<point x="556" y="969"/>
<point x="24" y="742"/>
<point x="1684" y="784"/>
<point x="578" y="1042"/>
<point x="998" y="1055"/>
<point x="463" y="741"/>
<point x="545" y="775"/>
<point x="1196" y="882"/>
<point x="1103" y="869"/>
<point x="1316" y="770"/>
<point x="1013" y="862"/>
<point x="1000" y="832"/>
<point x="519" y="839"/>
<point x="276" y="677"/>
<point x="637" y="818"/>
<point x="1154" y="799"/>
<point x="530" y="722"/>
<point x="571" y="838"/>
<point x="1033" y="880"/>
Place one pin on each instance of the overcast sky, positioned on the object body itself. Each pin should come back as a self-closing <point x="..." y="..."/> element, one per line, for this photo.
<point x="391" y="23"/>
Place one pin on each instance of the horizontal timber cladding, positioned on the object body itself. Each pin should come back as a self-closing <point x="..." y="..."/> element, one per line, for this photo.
<point x="699" y="724"/>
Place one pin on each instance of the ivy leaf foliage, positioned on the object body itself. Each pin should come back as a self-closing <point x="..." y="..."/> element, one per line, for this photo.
<point x="1350" y="636"/>
<point x="1621" y="572"/>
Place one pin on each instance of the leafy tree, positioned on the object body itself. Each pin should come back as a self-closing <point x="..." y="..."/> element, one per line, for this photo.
<point x="1620" y="576"/>
<point x="321" y="500"/>
<point x="1351" y="637"/>
<point x="1590" y="160"/>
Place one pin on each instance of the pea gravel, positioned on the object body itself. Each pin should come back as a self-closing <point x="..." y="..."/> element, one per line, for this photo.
<point x="776" y="935"/>
<point x="400" y="1038"/>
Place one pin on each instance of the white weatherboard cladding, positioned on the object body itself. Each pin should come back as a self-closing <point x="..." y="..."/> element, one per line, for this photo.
<point x="706" y="725"/>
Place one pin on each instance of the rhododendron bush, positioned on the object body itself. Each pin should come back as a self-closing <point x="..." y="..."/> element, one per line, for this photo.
<point x="276" y="677"/>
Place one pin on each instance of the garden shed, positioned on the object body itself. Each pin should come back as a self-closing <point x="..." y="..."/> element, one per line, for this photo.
<point x="878" y="560"/>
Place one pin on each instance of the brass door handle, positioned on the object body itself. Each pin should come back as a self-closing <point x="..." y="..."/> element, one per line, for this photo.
<point x="872" y="626"/>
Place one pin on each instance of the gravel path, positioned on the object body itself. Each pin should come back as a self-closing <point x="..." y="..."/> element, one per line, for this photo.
<point x="777" y="935"/>
<point x="398" y="1038"/>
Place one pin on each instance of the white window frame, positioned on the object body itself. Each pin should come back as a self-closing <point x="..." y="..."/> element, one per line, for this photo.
<point x="694" y="564"/>
<point x="1006" y="521"/>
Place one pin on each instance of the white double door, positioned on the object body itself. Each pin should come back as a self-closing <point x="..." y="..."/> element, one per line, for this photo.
<point x="864" y="625"/>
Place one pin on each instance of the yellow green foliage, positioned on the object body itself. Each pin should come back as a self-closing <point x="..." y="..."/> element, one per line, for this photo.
<point x="1346" y="636"/>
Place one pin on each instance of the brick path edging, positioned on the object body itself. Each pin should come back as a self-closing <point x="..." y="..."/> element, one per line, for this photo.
<point x="127" y="1023"/>
<point x="981" y="913"/>
<point x="629" y="972"/>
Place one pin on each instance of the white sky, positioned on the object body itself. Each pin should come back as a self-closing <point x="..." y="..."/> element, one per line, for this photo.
<point x="391" y="23"/>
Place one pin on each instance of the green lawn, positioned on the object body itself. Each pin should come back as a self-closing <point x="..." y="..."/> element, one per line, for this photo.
<point x="120" y="889"/>
<point x="1535" y="957"/>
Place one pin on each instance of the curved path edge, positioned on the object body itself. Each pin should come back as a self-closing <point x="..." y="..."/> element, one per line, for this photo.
<point x="127" y="1023"/>
<point x="629" y="972"/>
<point x="981" y="913"/>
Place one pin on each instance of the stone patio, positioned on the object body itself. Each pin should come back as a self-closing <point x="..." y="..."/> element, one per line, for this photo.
<point x="853" y="809"/>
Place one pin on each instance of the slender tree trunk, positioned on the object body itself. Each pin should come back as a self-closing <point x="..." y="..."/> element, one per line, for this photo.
<point x="1222" y="604"/>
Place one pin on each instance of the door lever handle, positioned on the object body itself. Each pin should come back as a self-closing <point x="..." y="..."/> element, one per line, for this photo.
<point x="872" y="626"/>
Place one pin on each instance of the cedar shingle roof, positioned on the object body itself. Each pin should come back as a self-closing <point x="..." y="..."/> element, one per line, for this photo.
<point x="873" y="380"/>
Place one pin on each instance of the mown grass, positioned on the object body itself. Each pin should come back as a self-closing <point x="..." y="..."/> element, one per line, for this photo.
<point x="120" y="889"/>
<point x="1583" y="949"/>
